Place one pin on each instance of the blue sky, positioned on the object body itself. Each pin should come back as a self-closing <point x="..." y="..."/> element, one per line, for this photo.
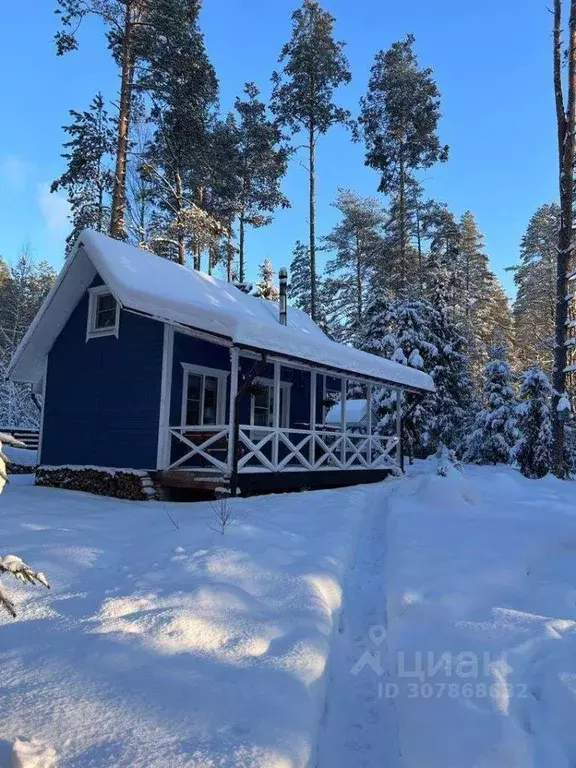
<point x="491" y="61"/>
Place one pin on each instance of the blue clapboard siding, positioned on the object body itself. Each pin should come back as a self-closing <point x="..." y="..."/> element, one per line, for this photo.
<point x="103" y="396"/>
<point x="188" y="349"/>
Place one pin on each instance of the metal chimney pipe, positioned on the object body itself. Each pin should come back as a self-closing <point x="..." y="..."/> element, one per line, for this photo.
<point x="283" y="275"/>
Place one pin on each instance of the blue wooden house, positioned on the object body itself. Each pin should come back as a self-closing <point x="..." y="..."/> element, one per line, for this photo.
<point x="147" y="364"/>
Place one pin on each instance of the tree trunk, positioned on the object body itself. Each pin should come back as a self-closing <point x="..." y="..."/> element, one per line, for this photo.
<point x="567" y="150"/>
<point x="420" y="261"/>
<point x="179" y="205"/>
<point x="311" y="137"/>
<point x="402" y="222"/>
<point x="230" y="250"/>
<point x="241" y="239"/>
<point x="359" y="307"/>
<point x="117" y="221"/>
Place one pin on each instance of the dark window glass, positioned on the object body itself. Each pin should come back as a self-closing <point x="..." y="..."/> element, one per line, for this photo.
<point x="105" y="311"/>
<point x="194" y="400"/>
<point x="210" y="399"/>
<point x="263" y="404"/>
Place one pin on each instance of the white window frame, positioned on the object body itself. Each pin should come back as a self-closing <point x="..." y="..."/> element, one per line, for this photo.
<point x="285" y="413"/>
<point x="91" y="331"/>
<point x="325" y="392"/>
<point x="200" y="370"/>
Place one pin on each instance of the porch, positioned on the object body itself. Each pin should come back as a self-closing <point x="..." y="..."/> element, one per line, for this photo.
<point x="269" y="428"/>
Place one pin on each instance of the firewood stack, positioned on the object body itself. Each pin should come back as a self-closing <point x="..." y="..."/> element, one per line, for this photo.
<point x="135" y="485"/>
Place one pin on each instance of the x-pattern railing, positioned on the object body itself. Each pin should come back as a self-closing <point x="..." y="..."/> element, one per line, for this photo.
<point x="284" y="449"/>
<point x="307" y="450"/>
<point x="199" y="440"/>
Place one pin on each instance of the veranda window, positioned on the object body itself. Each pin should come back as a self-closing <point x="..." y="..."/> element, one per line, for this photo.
<point x="203" y="397"/>
<point x="262" y="405"/>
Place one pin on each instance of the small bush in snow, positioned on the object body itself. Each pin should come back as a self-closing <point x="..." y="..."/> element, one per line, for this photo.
<point x="534" y="451"/>
<point x="222" y="515"/>
<point x="446" y="460"/>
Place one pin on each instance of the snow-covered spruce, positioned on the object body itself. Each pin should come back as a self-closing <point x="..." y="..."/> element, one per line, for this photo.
<point x="400" y="331"/>
<point x="11" y="563"/>
<point x="451" y="404"/>
<point x="265" y="286"/>
<point x="494" y="434"/>
<point x="533" y="451"/>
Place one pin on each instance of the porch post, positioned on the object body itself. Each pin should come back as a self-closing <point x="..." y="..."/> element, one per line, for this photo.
<point x="234" y="355"/>
<point x="312" y="452"/>
<point x="164" y="435"/>
<point x="343" y="391"/>
<point x="399" y="453"/>
<point x="276" y="413"/>
<point x="369" y="422"/>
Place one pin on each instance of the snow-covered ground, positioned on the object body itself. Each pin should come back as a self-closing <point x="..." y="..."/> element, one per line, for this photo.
<point x="175" y="646"/>
<point x="169" y="646"/>
<point x="482" y="568"/>
<point x="466" y="658"/>
<point x="24" y="457"/>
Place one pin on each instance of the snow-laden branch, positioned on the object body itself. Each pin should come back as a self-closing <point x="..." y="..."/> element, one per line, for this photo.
<point x="18" y="568"/>
<point x="11" y="563"/>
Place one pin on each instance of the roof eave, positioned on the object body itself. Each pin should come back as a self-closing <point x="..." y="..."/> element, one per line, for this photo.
<point x="334" y="369"/>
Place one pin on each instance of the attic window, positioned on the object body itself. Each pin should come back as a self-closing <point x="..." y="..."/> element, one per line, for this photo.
<point x="103" y="313"/>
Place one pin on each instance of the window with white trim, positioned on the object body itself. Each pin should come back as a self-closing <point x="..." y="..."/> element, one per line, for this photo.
<point x="203" y="396"/>
<point x="262" y="404"/>
<point x="103" y="313"/>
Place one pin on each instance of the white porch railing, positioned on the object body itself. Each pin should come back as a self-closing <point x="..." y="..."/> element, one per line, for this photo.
<point x="208" y="445"/>
<point x="269" y="449"/>
<point x="295" y="450"/>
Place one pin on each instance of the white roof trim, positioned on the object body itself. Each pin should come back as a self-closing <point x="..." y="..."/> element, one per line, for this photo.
<point x="172" y="293"/>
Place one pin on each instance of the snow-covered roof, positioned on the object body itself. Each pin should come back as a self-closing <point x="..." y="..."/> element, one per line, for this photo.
<point x="356" y="411"/>
<point x="143" y="282"/>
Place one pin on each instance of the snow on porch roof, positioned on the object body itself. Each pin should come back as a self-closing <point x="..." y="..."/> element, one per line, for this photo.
<point x="144" y="282"/>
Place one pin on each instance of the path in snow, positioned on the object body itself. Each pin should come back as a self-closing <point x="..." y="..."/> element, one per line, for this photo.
<point x="359" y="729"/>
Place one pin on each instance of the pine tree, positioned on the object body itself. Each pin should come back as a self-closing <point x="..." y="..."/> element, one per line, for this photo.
<point x="139" y="189"/>
<point x="265" y="286"/>
<point x="399" y="117"/>
<point x="181" y="82"/>
<point x="535" y="277"/>
<point x="357" y="242"/>
<point x="303" y="97"/>
<point x="452" y="402"/>
<point x="23" y="288"/>
<point x="481" y="303"/>
<point x="262" y="163"/>
<point x="565" y="98"/>
<point x="492" y="322"/>
<point x="475" y="277"/>
<point x="441" y="230"/>
<point x="494" y="432"/>
<point x="534" y="451"/>
<point x="299" y="291"/>
<point x="88" y="179"/>
<point x="300" y="283"/>
<point x="399" y="330"/>
<point x="123" y="21"/>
